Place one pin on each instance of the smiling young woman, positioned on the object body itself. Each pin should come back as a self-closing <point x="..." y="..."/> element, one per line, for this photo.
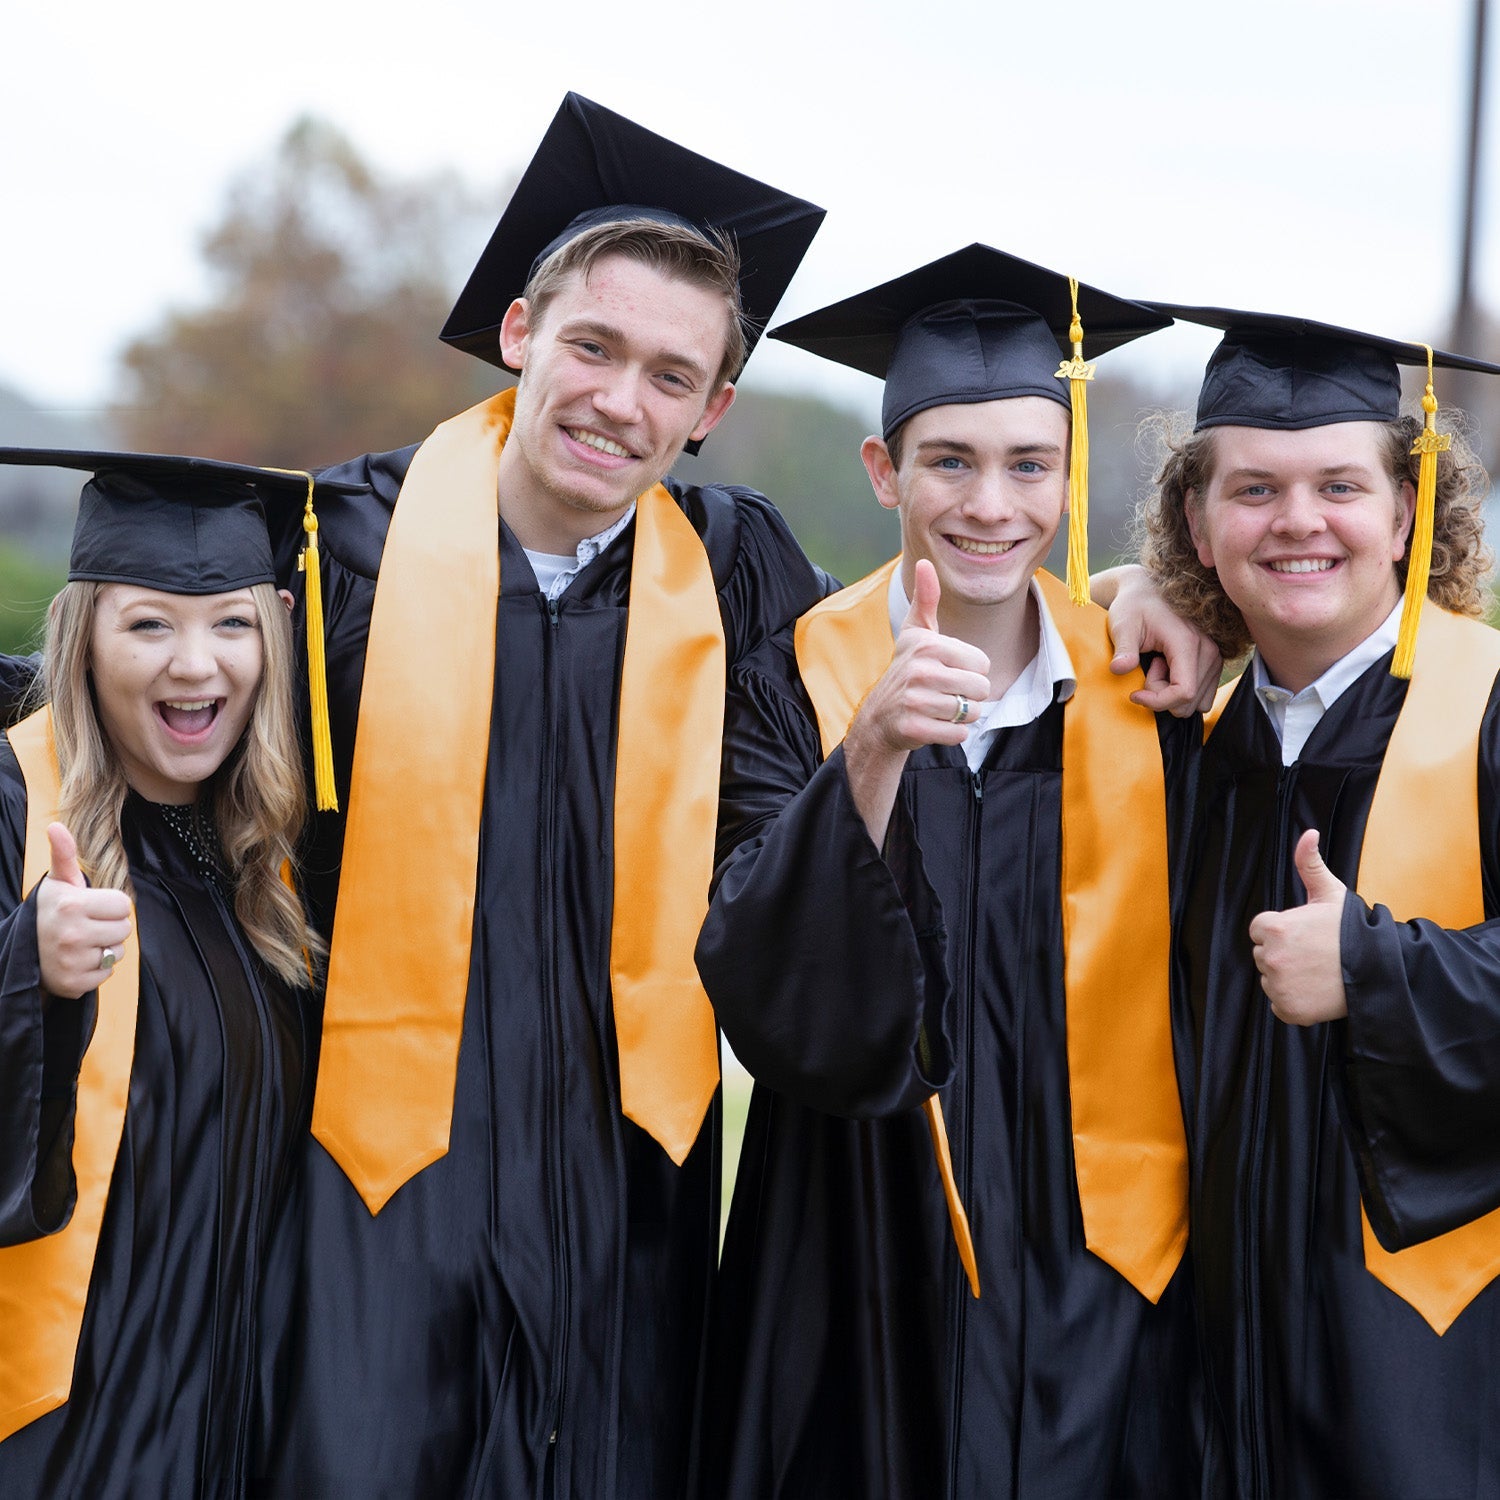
<point x="155" y="1024"/>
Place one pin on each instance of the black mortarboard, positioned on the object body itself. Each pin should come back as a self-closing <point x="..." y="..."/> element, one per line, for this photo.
<point x="977" y="325"/>
<point x="182" y="525"/>
<point x="195" y="526"/>
<point x="1291" y="373"/>
<point x="594" y="166"/>
<point x="981" y="325"/>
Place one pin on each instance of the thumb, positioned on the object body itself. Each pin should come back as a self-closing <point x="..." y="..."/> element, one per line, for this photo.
<point x="1125" y="636"/>
<point x="1322" y="884"/>
<point x="926" y="592"/>
<point x="64" y="856"/>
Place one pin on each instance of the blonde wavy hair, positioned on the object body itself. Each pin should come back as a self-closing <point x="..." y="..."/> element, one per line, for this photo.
<point x="1184" y="462"/>
<point x="258" y="796"/>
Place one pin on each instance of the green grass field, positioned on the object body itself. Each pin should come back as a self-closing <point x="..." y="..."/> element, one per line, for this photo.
<point x="737" y="1085"/>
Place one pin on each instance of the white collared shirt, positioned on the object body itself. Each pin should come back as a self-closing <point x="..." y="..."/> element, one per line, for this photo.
<point x="556" y="570"/>
<point x="1048" y="675"/>
<point x="1294" y="716"/>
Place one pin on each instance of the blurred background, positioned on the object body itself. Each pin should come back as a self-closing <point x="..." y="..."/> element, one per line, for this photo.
<point x="236" y="231"/>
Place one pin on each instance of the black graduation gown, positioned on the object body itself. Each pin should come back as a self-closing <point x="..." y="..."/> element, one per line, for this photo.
<point x="173" y="1337"/>
<point x="527" y="1315"/>
<point x="1323" y="1381"/>
<point x="17" y="677"/>
<point x="850" y="1358"/>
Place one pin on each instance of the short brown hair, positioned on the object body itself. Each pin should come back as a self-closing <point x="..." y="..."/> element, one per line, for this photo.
<point x="708" y="260"/>
<point x="1461" y="562"/>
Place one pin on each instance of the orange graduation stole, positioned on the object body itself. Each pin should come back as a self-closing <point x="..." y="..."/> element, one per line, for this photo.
<point x="44" y="1283"/>
<point x="1129" y="1149"/>
<point x="1420" y="857"/>
<point x="394" y="1009"/>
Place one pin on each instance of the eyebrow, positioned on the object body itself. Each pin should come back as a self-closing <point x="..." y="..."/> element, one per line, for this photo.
<point x="968" y="450"/>
<point x="607" y="333"/>
<point x="1357" y="470"/>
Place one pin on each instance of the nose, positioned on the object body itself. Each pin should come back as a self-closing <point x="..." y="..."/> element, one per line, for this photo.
<point x="193" y="656"/>
<point x="1300" y="514"/>
<point x="989" y="500"/>
<point x="617" y="397"/>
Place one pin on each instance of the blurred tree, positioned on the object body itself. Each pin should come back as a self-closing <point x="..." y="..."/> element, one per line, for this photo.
<point x="804" y="454"/>
<point x="331" y="282"/>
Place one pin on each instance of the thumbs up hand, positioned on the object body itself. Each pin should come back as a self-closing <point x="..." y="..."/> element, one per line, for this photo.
<point x="930" y="679"/>
<point x="1297" y="951"/>
<point x="926" y="697"/>
<point x="79" y="931"/>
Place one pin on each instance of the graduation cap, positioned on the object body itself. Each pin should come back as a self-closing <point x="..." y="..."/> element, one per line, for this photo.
<point x="195" y="526"/>
<point x="596" y="167"/>
<point x="1291" y="373"/>
<point x="981" y="325"/>
<point x="1287" y="373"/>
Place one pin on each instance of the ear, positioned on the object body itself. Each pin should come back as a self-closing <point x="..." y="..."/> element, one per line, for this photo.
<point x="1196" y="528"/>
<point x="286" y="599"/>
<point x="718" y="405"/>
<point x="1406" y="515"/>
<point x="515" y="329"/>
<point x="877" y="461"/>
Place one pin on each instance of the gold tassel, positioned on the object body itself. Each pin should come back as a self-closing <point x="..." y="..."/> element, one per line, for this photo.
<point x="1430" y="442"/>
<point x="1075" y="371"/>
<point x="325" y="793"/>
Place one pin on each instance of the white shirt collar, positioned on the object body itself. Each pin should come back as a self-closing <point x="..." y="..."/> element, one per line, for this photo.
<point x="556" y="570"/>
<point x="1047" y="676"/>
<point x="1294" y="716"/>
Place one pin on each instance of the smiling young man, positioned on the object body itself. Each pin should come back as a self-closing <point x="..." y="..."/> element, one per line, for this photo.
<point x="512" y="1202"/>
<point x="923" y="885"/>
<point x="1338" y="963"/>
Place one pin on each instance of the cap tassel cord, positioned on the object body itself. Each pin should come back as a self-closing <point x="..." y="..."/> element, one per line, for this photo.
<point x="1430" y="442"/>
<point x="325" y="792"/>
<point x="1076" y="372"/>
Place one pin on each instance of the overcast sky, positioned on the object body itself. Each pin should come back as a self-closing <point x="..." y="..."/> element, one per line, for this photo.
<point x="1291" y="155"/>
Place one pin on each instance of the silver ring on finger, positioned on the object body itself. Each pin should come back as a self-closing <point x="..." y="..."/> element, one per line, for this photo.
<point x="961" y="708"/>
<point x="108" y="958"/>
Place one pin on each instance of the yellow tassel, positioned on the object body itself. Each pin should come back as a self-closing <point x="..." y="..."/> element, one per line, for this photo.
<point x="317" y="667"/>
<point x="1076" y="372"/>
<point x="325" y="793"/>
<point x="1430" y="442"/>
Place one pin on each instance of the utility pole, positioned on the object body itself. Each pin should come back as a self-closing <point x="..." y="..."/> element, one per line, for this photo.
<point x="1466" y="334"/>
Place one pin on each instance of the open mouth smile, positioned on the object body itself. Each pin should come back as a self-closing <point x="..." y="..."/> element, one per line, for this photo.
<point x="188" y="720"/>
<point x="1303" y="565"/>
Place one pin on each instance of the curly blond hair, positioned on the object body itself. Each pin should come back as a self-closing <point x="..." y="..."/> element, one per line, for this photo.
<point x="1184" y="462"/>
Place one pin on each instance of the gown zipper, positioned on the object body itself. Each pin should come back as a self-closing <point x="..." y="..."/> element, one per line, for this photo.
<point x="1275" y="900"/>
<point x="966" y="1158"/>
<point x="560" y="1237"/>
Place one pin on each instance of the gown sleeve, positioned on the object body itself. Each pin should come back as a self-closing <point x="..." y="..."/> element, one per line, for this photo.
<point x="18" y="676"/>
<point x="823" y="955"/>
<point x="42" y="1041"/>
<point x="1421" y="1066"/>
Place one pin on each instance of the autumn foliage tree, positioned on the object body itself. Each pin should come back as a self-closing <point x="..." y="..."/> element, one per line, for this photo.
<point x="330" y="283"/>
